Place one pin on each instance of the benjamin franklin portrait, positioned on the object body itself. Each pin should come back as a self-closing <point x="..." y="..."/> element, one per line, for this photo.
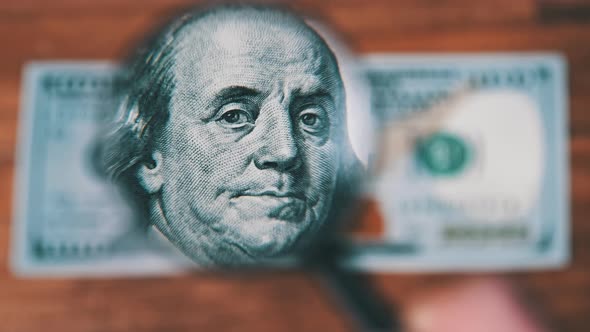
<point x="232" y="135"/>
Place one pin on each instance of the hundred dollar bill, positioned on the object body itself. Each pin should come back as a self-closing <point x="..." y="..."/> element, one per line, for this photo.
<point x="472" y="170"/>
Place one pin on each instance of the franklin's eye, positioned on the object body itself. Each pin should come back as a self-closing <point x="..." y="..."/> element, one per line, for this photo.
<point x="309" y="119"/>
<point x="312" y="120"/>
<point x="235" y="117"/>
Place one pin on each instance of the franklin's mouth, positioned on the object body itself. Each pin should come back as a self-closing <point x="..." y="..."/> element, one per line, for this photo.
<point x="283" y="205"/>
<point x="271" y="193"/>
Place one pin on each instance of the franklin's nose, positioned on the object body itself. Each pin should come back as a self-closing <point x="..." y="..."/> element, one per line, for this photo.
<point x="278" y="149"/>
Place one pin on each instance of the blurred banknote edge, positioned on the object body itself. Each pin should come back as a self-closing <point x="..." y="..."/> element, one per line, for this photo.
<point x="66" y="220"/>
<point x="473" y="168"/>
<point x="78" y="226"/>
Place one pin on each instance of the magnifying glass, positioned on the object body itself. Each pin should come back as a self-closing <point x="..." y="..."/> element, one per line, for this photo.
<point x="242" y="138"/>
<point x="233" y="135"/>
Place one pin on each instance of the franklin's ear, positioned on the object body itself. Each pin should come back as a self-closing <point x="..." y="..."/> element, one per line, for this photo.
<point x="149" y="174"/>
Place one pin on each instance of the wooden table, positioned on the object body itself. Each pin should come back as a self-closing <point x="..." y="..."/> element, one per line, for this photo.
<point x="282" y="301"/>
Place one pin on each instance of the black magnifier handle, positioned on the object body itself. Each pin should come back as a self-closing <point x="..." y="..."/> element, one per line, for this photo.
<point x="357" y="294"/>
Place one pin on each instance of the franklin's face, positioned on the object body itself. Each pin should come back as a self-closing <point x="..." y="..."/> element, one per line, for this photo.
<point x="250" y="153"/>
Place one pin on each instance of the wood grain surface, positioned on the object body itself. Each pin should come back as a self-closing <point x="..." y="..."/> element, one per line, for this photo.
<point x="284" y="301"/>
